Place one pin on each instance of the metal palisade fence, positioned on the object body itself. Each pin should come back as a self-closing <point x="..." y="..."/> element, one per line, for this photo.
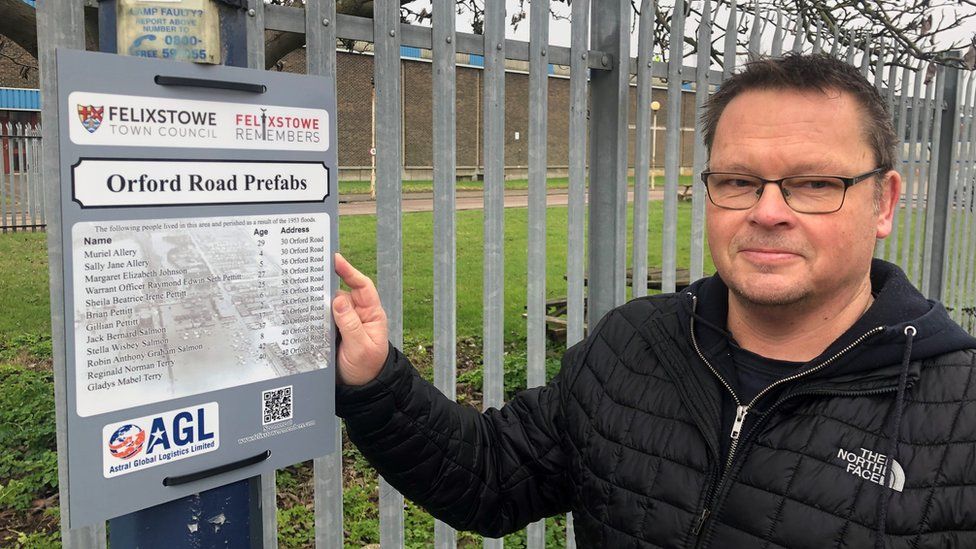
<point x="21" y="187"/>
<point x="935" y="232"/>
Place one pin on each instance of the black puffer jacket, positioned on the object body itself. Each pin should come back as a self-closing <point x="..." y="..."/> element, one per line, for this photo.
<point x="627" y="438"/>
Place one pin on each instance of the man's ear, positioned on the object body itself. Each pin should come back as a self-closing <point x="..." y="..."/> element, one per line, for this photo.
<point x="888" y="203"/>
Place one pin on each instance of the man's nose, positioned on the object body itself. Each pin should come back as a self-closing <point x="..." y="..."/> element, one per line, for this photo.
<point x="771" y="209"/>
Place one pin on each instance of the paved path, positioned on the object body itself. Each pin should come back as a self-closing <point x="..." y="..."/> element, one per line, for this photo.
<point x="361" y="204"/>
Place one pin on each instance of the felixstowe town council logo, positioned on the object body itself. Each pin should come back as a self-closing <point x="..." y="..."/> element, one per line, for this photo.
<point x="91" y="116"/>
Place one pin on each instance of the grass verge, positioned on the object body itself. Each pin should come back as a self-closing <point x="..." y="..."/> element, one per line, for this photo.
<point x="29" y="512"/>
<point x="426" y="186"/>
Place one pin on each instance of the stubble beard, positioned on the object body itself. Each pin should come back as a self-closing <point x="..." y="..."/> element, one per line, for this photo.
<point x="786" y="297"/>
<point x="793" y="294"/>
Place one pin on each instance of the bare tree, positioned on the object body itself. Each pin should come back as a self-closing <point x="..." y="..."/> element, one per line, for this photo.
<point x="912" y="30"/>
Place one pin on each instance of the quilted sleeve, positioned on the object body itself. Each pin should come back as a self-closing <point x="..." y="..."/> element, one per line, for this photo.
<point x="491" y="472"/>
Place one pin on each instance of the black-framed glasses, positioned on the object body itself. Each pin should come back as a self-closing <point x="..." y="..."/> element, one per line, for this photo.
<point x="812" y="194"/>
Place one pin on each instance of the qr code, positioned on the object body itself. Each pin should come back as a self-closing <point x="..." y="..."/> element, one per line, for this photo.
<point x="276" y="404"/>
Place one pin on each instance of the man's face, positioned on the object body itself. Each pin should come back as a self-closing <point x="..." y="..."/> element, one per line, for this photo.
<point x="769" y="254"/>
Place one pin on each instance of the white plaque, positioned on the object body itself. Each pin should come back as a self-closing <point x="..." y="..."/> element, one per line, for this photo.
<point x="170" y="308"/>
<point x="138" y="121"/>
<point x="115" y="183"/>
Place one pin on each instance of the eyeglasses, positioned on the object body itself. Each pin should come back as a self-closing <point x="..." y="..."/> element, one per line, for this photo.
<point x="812" y="194"/>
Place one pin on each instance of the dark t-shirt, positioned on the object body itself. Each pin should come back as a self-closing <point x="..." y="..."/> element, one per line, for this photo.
<point x="747" y="372"/>
<point x="753" y="373"/>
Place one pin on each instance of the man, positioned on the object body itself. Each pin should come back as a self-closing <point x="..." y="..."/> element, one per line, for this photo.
<point x="804" y="396"/>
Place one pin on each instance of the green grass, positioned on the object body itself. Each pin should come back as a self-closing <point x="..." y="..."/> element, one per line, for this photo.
<point x="422" y="186"/>
<point x="24" y="296"/>
<point x="357" y="242"/>
<point x="24" y="290"/>
<point x="28" y="469"/>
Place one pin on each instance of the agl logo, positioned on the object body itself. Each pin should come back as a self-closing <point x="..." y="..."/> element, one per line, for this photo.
<point x="184" y="429"/>
<point x="160" y="438"/>
<point x="126" y="441"/>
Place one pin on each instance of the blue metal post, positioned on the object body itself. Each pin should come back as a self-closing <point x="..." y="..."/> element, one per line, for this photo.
<point x="228" y="516"/>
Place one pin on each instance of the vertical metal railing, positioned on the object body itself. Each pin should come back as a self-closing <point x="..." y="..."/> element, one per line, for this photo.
<point x="935" y="192"/>
<point x="254" y="37"/>
<point x="910" y="171"/>
<point x="578" y="138"/>
<point x="642" y="150"/>
<point x="959" y="201"/>
<point x="445" y="256"/>
<point x="900" y="114"/>
<point x="887" y="93"/>
<point x="960" y="295"/>
<point x="702" y="90"/>
<point x="914" y="225"/>
<point x="609" y="25"/>
<point x="576" y="210"/>
<point x="601" y="67"/>
<point x="389" y="233"/>
<point x="922" y="183"/>
<point x="320" y="47"/>
<point x="538" y="168"/>
<point x="493" y="293"/>
<point x="965" y="305"/>
<point x="59" y="25"/>
<point x="672" y="150"/>
<point x="21" y="181"/>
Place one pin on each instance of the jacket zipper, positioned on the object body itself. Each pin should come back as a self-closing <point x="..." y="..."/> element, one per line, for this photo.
<point x="742" y="411"/>
<point x="870" y="392"/>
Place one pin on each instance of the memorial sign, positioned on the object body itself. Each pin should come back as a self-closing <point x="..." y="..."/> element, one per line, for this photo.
<point x="197" y="224"/>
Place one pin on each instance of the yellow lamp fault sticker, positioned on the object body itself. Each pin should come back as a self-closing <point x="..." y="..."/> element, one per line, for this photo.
<point x="182" y="30"/>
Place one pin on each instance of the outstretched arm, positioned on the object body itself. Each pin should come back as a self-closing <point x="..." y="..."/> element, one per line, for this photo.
<point x="492" y="472"/>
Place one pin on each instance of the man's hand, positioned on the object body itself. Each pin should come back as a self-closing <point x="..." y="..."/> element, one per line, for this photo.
<point x="362" y="322"/>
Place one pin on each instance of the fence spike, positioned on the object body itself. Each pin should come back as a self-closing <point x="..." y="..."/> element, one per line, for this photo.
<point x="755" y="33"/>
<point x="818" y="40"/>
<point x="851" y="47"/>
<point x="798" y="36"/>
<point x="778" y="35"/>
<point x="731" y="42"/>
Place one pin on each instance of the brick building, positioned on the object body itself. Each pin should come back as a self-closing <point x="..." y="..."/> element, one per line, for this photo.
<point x="355" y="116"/>
<point x="18" y="71"/>
<point x="19" y="100"/>
<point x="355" y="113"/>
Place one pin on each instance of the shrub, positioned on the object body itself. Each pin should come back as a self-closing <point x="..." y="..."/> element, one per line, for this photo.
<point x="29" y="463"/>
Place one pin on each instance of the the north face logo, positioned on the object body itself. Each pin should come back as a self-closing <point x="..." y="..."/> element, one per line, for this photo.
<point x="873" y="467"/>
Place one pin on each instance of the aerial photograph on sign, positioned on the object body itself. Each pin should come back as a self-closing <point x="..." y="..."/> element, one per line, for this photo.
<point x="176" y="307"/>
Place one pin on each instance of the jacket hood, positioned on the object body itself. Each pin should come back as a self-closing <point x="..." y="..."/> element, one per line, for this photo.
<point x="897" y="305"/>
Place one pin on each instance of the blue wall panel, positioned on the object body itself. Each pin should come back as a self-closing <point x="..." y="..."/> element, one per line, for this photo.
<point x="408" y="52"/>
<point x="20" y="99"/>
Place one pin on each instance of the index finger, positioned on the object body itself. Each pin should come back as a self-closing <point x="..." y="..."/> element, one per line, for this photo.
<point x="363" y="291"/>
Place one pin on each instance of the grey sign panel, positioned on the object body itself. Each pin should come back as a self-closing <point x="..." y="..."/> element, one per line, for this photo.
<point x="198" y="217"/>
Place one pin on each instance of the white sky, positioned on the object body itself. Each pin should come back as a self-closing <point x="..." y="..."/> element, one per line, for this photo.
<point x="559" y="29"/>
